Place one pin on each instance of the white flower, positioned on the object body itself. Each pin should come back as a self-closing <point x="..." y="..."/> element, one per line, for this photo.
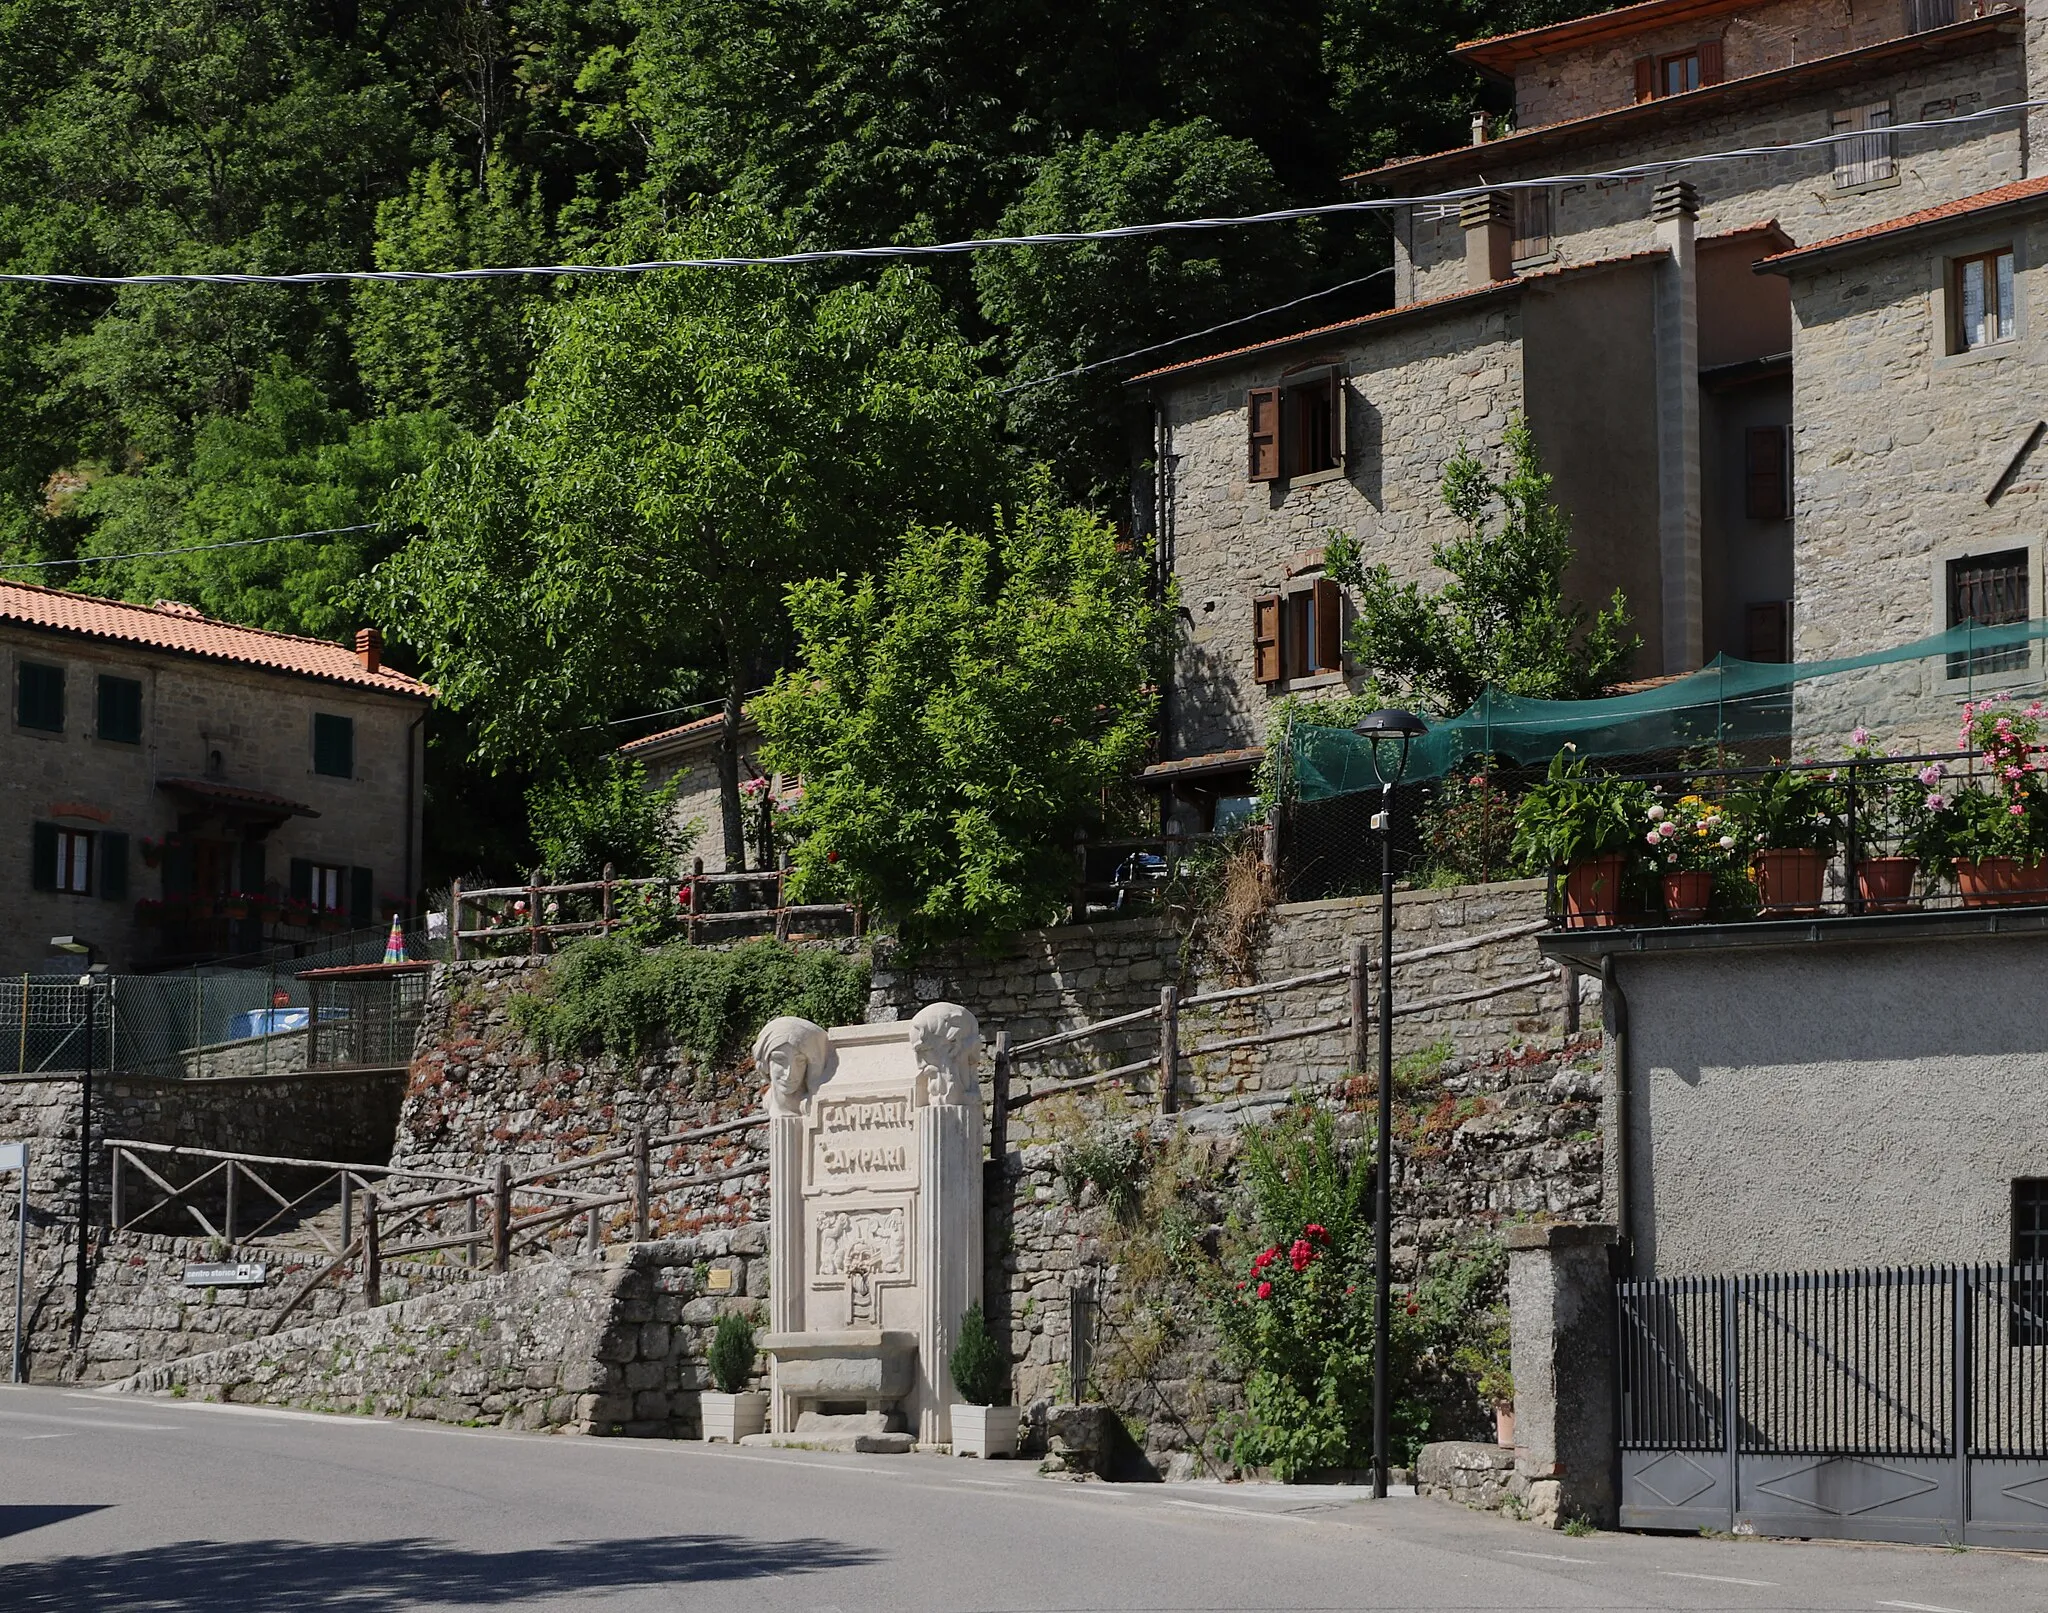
<point x="1657" y="814"/>
<point x="1727" y="842"/>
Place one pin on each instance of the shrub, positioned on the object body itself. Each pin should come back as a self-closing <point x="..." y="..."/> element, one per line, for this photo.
<point x="732" y="1353"/>
<point x="1113" y="1163"/>
<point x="978" y="1363"/>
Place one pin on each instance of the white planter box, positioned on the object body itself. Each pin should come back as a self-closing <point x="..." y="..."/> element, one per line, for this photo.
<point x="985" y="1430"/>
<point x="733" y="1417"/>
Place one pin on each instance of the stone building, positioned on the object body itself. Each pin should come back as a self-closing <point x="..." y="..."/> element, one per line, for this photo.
<point x="175" y="789"/>
<point x="689" y="755"/>
<point x="1618" y="312"/>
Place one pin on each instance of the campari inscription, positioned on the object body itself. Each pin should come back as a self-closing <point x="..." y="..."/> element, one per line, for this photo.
<point x="858" y="1139"/>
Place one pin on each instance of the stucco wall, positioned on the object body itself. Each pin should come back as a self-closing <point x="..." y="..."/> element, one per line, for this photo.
<point x="1833" y="1106"/>
<point x="260" y="722"/>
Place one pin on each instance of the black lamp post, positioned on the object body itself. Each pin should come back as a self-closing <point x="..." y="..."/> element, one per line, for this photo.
<point x="1404" y="726"/>
<point x="72" y="945"/>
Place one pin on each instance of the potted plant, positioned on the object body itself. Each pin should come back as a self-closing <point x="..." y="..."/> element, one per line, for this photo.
<point x="1690" y="841"/>
<point x="1485" y="1354"/>
<point x="1893" y="804"/>
<point x="234" y="905"/>
<point x="981" y="1373"/>
<point x="1792" y="818"/>
<point x="1995" y="835"/>
<point x="732" y="1411"/>
<point x="1586" y="825"/>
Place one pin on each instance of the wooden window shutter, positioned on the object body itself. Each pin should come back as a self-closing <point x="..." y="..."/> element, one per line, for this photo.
<point x="361" y="898"/>
<point x="1710" y="62"/>
<point x="1262" y="420"/>
<point x="43" y="858"/>
<point x="113" y="851"/>
<point x="302" y="880"/>
<point x="1329" y="626"/>
<point x="252" y="867"/>
<point x="1265" y="652"/>
<point x="1764" y="474"/>
<point x="1336" y="417"/>
<point x="1765" y="626"/>
<point x="1646" y="78"/>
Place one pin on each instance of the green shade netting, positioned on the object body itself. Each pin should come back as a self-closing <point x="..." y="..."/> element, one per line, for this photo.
<point x="1726" y="702"/>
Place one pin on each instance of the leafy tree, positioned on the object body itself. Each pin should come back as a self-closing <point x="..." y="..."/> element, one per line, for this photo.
<point x="689" y="446"/>
<point x="956" y="718"/>
<point x="1503" y="618"/>
<point x="606" y="815"/>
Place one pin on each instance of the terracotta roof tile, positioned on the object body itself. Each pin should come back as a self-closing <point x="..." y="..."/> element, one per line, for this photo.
<point x="1500" y="51"/>
<point x="701" y="727"/>
<point x="1962" y="207"/>
<point x="181" y="630"/>
<point x="1421" y="305"/>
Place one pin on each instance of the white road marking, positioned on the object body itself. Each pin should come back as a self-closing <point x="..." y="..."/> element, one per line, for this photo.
<point x="1720" y="1579"/>
<point x="1921" y="1607"/>
<point x="992" y="1484"/>
<point x="1551" y="1557"/>
<point x="1242" y="1512"/>
<point x="87" y="1422"/>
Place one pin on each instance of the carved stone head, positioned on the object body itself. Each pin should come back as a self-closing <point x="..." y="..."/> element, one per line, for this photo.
<point x="793" y="1054"/>
<point x="947" y="1041"/>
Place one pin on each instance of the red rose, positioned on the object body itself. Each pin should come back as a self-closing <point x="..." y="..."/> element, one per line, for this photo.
<point x="831" y="856"/>
<point x="1265" y="1290"/>
<point x="1315" y="1229"/>
<point x="1300" y="1255"/>
<point x="1264" y="1259"/>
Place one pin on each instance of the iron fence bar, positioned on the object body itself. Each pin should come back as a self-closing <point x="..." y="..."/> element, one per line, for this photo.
<point x="1731" y="1397"/>
<point x="1960" y="1389"/>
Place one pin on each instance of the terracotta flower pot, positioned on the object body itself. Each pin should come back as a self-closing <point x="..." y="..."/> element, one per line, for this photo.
<point x="1592" y="892"/>
<point x="2001" y="882"/>
<point x="1789" y="882"/>
<point x="1504" y="1416"/>
<point x="1885" y="884"/>
<point x="1687" y="896"/>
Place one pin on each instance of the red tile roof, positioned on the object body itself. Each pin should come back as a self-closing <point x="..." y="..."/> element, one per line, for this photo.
<point x="1768" y="227"/>
<point x="1985" y="201"/>
<point x="701" y="728"/>
<point x="1848" y="65"/>
<point x="181" y="630"/>
<point x="1423" y="305"/>
<point x="1500" y="52"/>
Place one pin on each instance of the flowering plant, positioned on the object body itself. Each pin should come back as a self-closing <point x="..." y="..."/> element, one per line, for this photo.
<point x="1573" y="815"/>
<point x="2008" y="817"/>
<point x="1792" y="809"/>
<point x="1691" y="835"/>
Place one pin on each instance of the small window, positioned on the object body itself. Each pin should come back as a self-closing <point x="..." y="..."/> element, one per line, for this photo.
<point x="1767" y="632"/>
<point x="334" y="745"/>
<point x="1990" y="590"/>
<point x="61" y="860"/>
<point x="39" y="697"/>
<point x="1766" y="475"/>
<point x="1922" y="15"/>
<point x="1532" y="224"/>
<point x="1863" y="156"/>
<point x="1295" y="429"/>
<point x="2029" y="1297"/>
<point x="120" y="715"/>
<point x="327" y="887"/>
<point x="1677" y="74"/>
<point x="1983" y="291"/>
<point x="1298" y="634"/>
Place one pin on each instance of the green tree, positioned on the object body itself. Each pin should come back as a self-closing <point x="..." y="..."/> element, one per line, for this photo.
<point x="1503" y="618"/>
<point x="607" y="815"/>
<point x="689" y="446"/>
<point x="956" y="719"/>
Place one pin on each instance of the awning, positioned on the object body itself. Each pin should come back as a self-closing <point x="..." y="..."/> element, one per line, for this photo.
<point x="232" y="800"/>
<point x="1195" y="767"/>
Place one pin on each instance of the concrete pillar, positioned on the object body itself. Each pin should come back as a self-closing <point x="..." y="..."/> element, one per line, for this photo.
<point x="1561" y="1325"/>
<point x="1676" y="208"/>
<point x="2034" y="127"/>
<point x="1489" y="221"/>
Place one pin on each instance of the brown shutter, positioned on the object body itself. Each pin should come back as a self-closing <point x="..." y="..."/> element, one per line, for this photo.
<point x="1336" y="417"/>
<point x="1765" y="631"/>
<point x="1266" y="638"/>
<point x="1764" y="474"/>
<point x="1262" y="421"/>
<point x="1329" y="626"/>
<point x="1710" y="61"/>
<point x="1646" y="78"/>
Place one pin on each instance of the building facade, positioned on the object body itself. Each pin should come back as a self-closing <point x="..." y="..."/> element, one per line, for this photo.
<point x="176" y="789"/>
<point x="688" y="755"/>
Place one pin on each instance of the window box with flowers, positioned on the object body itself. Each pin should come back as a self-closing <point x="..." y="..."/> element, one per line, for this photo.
<point x="1587" y="825"/>
<point x="1690" y="841"/>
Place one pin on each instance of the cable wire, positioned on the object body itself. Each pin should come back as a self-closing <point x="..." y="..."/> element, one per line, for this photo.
<point x="190" y="548"/>
<point x="1284" y="215"/>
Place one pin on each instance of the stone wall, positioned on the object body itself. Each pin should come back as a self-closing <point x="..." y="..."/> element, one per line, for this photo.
<point x="611" y="1347"/>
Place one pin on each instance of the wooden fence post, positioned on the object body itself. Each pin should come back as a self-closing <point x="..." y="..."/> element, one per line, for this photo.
<point x="1361" y="968"/>
<point x="455" y="920"/>
<point x="643" y="1182"/>
<point x="593" y="1236"/>
<point x="469" y="1227"/>
<point x="696" y="895"/>
<point x="114" y="1197"/>
<point x="1169" y="1044"/>
<point x="347" y="1209"/>
<point x="227" y="1223"/>
<point x="501" y="1218"/>
<point x="999" y="1103"/>
<point x="604" y="913"/>
<point x="532" y="921"/>
<point x="373" y="1256"/>
<point x="782" y="897"/>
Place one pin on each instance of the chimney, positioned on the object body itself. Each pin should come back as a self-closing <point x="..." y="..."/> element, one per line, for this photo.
<point x="1489" y="220"/>
<point x="1479" y="128"/>
<point x="370" y="648"/>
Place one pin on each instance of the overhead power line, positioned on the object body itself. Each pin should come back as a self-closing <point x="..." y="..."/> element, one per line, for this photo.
<point x="189" y="548"/>
<point x="1284" y="215"/>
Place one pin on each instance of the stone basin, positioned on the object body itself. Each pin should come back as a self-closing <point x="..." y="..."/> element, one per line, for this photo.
<point x="867" y="1364"/>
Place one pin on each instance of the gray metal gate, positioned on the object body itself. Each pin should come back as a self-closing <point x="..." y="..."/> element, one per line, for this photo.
<point x="1884" y="1404"/>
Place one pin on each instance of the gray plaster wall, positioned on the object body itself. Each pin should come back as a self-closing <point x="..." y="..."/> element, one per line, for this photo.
<point x="1838" y="1106"/>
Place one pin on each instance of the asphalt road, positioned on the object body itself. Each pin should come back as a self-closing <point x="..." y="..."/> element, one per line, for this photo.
<point x="154" y="1506"/>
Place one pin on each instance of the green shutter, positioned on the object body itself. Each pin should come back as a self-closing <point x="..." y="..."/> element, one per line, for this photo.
<point x="114" y="867"/>
<point x="39" y="697"/>
<point x="177" y="870"/>
<point x="334" y="745"/>
<point x="43" y="859"/>
<point x="120" y="710"/>
<point x="361" y="894"/>
<point x="252" y="867"/>
<point x="302" y="880"/>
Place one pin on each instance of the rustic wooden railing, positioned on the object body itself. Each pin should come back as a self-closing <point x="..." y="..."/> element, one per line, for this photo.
<point x="681" y="897"/>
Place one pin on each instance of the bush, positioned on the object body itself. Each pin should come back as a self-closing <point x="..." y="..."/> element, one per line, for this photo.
<point x="606" y="995"/>
<point x="732" y="1353"/>
<point x="980" y="1365"/>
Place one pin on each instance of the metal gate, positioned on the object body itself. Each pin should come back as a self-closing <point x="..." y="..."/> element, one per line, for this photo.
<point x="1884" y="1404"/>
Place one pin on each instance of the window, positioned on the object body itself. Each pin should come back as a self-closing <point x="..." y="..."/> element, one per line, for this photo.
<point x="1989" y="590"/>
<point x="39" y="697"/>
<point x="1298" y="634"/>
<point x="1766" y="473"/>
<point x="1983" y="292"/>
<point x="1767" y="631"/>
<point x="334" y="745"/>
<point x="1921" y="15"/>
<point x="332" y="888"/>
<point x="1677" y="74"/>
<point x="61" y="860"/>
<point x="120" y="716"/>
<point x="2030" y="1248"/>
<point x="1863" y="157"/>
<point x="1532" y="224"/>
<point x="1658" y="76"/>
<point x="1296" y="428"/>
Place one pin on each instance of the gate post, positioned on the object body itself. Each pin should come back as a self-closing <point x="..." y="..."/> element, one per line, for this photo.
<point x="1562" y="1332"/>
<point x="1731" y="1391"/>
<point x="1960" y="1423"/>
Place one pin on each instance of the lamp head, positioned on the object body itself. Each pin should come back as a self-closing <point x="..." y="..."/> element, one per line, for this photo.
<point x="70" y="943"/>
<point x="1391" y="724"/>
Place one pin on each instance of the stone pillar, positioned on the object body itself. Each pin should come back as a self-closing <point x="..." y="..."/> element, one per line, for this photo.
<point x="1489" y="220"/>
<point x="1561" y="1322"/>
<point x="1675" y="207"/>
<point x="786" y="1292"/>
<point x="949" y="1251"/>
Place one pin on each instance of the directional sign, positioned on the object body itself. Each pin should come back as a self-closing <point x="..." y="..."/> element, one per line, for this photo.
<point x="13" y="1156"/>
<point x="226" y="1274"/>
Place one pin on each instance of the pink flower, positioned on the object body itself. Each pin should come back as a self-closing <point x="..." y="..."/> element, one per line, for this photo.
<point x="1315" y="1229"/>
<point x="1653" y="839"/>
<point x="1859" y="736"/>
<point x="1265" y="1258"/>
<point x="1931" y="774"/>
<point x="2017" y="811"/>
<point x="1937" y="802"/>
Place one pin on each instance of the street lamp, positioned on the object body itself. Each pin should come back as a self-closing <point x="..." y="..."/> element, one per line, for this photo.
<point x="73" y="945"/>
<point x="1379" y="728"/>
